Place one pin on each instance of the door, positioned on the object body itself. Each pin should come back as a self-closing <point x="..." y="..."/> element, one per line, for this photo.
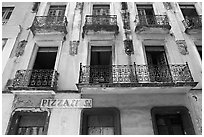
<point x="157" y="64"/>
<point x="170" y="124"/>
<point x="42" y="72"/>
<point x="100" y="125"/>
<point x="56" y="13"/>
<point x="100" y="65"/>
<point x="146" y="14"/>
<point x="190" y="14"/>
<point x="100" y="14"/>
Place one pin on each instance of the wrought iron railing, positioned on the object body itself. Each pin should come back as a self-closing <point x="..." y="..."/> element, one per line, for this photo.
<point x="194" y="22"/>
<point x="101" y="22"/>
<point x="153" y="20"/>
<point x="41" y="78"/>
<point x="135" y="74"/>
<point x="46" y="24"/>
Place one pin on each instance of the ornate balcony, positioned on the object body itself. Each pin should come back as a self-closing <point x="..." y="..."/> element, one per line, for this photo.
<point x="152" y="24"/>
<point x="136" y="76"/>
<point x="193" y="24"/>
<point x="49" y="24"/>
<point x="35" y="79"/>
<point x="100" y="23"/>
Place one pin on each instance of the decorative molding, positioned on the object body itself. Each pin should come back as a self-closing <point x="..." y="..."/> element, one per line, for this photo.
<point x="128" y="47"/>
<point x="182" y="47"/>
<point x="20" y="48"/>
<point x="167" y="5"/>
<point x="79" y="5"/>
<point x="73" y="47"/>
<point x="35" y="7"/>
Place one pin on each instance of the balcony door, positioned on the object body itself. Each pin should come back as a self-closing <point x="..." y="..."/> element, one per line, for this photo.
<point x="43" y="67"/>
<point x="56" y="12"/>
<point x="145" y="13"/>
<point x="100" y="65"/>
<point x="100" y="13"/>
<point x="190" y="14"/>
<point x="188" y="10"/>
<point x="157" y="64"/>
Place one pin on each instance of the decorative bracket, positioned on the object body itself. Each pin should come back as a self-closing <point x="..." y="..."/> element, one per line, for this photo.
<point x="182" y="47"/>
<point x="20" y="48"/>
<point x="128" y="47"/>
<point x="73" y="47"/>
<point x="35" y="7"/>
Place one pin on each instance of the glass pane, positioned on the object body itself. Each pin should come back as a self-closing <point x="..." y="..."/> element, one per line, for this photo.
<point x="163" y="130"/>
<point x="108" y="131"/>
<point x="8" y="15"/>
<point x="93" y="121"/>
<point x="32" y="121"/>
<point x="94" y="131"/>
<point x="177" y="130"/>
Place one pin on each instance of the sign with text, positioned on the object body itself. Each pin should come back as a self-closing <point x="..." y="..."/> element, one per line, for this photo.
<point x="66" y="103"/>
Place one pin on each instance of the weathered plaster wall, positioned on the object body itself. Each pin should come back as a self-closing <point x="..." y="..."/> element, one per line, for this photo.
<point x="7" y="100"/>
<point x="135" y="110"/>
<point x="65" y="121"/>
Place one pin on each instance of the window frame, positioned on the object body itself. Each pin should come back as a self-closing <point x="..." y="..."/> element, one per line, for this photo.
<point x="100" y="111"/>
<point x="7" y="10"/>
<point x="167" y="110"/>
<point x="12" y="127"/>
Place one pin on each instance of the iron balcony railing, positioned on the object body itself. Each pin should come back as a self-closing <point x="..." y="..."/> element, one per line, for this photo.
<point x="135" y="74"/>
<point x="193" y="22"/>
<point x="160" y="21"/>
<point x="101" y="22"/>
<point x="41" y="78"/>
<point x="47" y="24"/>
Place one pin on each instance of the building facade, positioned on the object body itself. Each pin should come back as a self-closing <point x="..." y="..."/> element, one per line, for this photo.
<point x="102" y="68"/>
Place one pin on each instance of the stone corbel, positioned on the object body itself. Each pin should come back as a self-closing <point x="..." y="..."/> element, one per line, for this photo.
<point x="128" y="47"/>
<point x="35" y="7"/>
<point x="73" y="47"/>
<point x="182" y="46"/>
<point x="20" y="48"/>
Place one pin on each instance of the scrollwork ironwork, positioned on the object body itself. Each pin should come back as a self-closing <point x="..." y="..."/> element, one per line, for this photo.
<point x="135" y="74"/>
<point x="101" y="22"/>
<point x="35" y="78"/>
<point x="157" y="21"/>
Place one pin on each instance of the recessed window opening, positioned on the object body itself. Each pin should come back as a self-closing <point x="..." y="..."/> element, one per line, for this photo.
<point x="28" y="123"/>
<point x="188" y="10"/>
<point x="100" y="121"/>
<point x="157" y="64"/>
<point x="100" y="65"/>
<point x="146" y="13"/>
<point x="43" y="69"/>
<point x="45" y="58"/>
<point x="57" y="10"/>
<point x="170" y="124"/>
<point x="101" y="10"/>
<point x="145" y="9"/>
<point x="172" y="120"/>
<point x="6" y="12"/>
